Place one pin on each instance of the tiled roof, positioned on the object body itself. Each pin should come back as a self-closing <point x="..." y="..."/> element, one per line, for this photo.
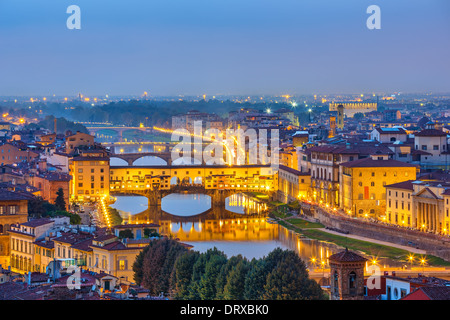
<point x="105" y="237"/>
<point x="49" y="244"/>
<point x="430" y="133"/>
<point x="346" y="256"/>
<point x="37" y="222"/>
<point x="116" y="245"/>
<point x="370" y="163"/>
<point x="406" y="185"/>
<point x="433" y="293"/>
<point x="355" y="148"/>
<point x="293" y="171"/>
<point x="73" y="238"/>
<point x="6" y="195"/>
<point x="83" y="245"/>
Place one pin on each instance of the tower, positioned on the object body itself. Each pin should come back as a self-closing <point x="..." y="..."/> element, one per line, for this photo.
<point x="332" y="132"/>
<point x="340" y="116"/>
<point x="347" y="276"/>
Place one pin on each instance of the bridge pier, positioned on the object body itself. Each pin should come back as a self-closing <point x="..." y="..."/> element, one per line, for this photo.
<point x="154" y="198"/>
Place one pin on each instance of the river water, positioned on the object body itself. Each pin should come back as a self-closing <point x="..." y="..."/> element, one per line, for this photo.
<point x="239" y="228"/>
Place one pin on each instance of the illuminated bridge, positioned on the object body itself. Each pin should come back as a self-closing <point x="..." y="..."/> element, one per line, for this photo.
<point x="219" y="182"/>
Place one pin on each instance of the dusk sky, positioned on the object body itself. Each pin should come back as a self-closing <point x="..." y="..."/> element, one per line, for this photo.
<point x="169" y="47"/>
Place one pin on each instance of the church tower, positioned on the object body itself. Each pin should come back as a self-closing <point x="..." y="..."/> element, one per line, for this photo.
<point x="347" y="276"/>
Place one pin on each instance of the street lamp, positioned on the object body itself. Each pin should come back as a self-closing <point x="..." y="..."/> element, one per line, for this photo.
<point x="313" y="261"/>
<point x="423" y="261"/>
<point x="411" y="259"/>
<point x="323" y="267"/>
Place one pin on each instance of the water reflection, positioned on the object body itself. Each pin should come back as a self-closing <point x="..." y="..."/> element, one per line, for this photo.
<point x="242" y="203"/>
<point x="250" y="234"/>
<point x="234" y="233"/>
<point x="186" y="204"/>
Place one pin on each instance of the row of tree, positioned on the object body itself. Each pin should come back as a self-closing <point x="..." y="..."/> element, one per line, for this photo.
<point x="166" y="266"/>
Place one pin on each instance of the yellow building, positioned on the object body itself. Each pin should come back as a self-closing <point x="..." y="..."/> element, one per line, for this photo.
<point x="362" y="184"/>
<point x="13" y="210"/>
<point x="246" y="177"/>
<point x="44" y="253"/>
<point x="109" y="255"/>
<point x="90" y="175"/>
<point x="399" y="203"/>
<point x="22" y="238"/>
<point x="293" y="184"/>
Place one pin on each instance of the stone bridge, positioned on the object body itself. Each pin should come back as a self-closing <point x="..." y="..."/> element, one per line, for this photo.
<point x="218" y="196"/>
<point x="132" y="157"/>
<point x="119" y="130"/>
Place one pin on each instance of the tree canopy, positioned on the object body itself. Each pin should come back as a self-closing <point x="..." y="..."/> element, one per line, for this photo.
<point x="166" y="266"/>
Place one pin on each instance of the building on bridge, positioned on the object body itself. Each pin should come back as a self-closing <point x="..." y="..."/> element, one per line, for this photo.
<point x="217" y="181"/>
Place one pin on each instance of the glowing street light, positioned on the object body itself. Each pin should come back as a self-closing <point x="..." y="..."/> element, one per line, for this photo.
<point x="423" y="262"/>
<point x="411" y="258"/>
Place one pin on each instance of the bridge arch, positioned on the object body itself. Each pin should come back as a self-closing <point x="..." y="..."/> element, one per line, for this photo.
<point x="175" y="181"/>
<point x="150" y="161"/>
<point x="116" y="161"/>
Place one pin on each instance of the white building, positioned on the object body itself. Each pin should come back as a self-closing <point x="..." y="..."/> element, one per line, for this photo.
<point x="389" y="135"/>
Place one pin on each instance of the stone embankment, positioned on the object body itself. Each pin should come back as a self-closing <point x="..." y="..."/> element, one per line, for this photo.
<point x="433" y="244"/>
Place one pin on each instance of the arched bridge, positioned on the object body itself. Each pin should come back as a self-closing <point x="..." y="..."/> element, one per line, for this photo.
<point x="130" y="158"/>
<point x="218" y="196"/>
<point x="119" y="130"/>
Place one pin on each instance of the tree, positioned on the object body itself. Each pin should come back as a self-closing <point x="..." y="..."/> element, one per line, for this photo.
<point x="198" y="271"/>
<point x="289" y="280"/>
<point x="234" y="289"/>
<point x="221" y="280"/>
<point x="182" y="274"/>
<point x="127" y="233"/>
<point x="255" y="280"/>
<point x="207" y="285"/>
<point x="60" y="203"/>
<point x="154" y="265"/>
<point x="358" y="116"/>
<point x="149" y="233"/>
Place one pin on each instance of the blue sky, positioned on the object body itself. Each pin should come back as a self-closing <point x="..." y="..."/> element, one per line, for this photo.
<point x="212" y="47"/>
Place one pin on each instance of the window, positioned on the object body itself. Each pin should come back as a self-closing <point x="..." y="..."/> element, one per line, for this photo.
<point x="352" y="280"/>
<point x="372" y="184"/>
<point x="373" y="174"/>
<point x="424" y="147"/>
<point x="436" y="147"/>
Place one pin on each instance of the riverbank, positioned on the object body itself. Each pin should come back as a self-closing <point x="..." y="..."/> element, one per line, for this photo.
<point x="370" y="247"/>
